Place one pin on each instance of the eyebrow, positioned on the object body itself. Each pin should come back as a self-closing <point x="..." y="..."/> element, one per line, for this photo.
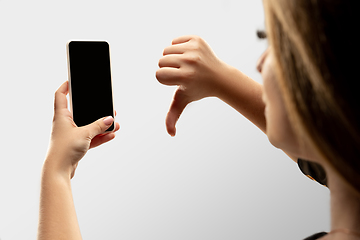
<point x="261" y="34"/>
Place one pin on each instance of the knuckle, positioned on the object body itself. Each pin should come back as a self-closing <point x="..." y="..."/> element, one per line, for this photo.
<point x="86" y="134"/>
<point x="188" y="75"/>
<point x="195" y="37"/>
<point x="99" y="127"/>
<point x="193" y="58"/>
<point x="193" y="45"/>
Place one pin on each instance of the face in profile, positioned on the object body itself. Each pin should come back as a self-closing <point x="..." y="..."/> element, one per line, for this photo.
<point x="278" y="126"/>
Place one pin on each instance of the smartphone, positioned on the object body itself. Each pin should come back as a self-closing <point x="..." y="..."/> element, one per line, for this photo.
<point x="90" y="83"/>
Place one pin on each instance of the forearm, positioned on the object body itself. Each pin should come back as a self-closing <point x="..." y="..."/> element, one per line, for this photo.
<point x="243" y="94"/>
<point x="57" y="219"/>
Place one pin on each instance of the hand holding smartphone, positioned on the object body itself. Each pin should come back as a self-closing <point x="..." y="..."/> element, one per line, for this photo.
<point x="90" y="83"/>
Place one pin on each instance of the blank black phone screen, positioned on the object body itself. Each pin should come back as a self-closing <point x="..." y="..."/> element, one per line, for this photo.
<point x="90" y="79"/>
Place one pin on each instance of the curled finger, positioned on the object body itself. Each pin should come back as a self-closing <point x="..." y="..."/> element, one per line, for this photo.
<point x="174" y="49"/>
<point x="183" y="39"/>
<point x="170" y="61"/>
<point x="169" y="76"/>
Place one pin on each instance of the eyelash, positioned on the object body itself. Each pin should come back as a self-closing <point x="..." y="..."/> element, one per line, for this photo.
<point x="261" y="34"/>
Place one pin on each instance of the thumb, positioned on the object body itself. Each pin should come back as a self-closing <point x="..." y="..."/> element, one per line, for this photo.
<point x="99" y="126"/>
<point x="177" y="106"/>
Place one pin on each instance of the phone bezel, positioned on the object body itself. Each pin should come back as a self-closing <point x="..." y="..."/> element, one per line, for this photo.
<point x="69" y="76"/>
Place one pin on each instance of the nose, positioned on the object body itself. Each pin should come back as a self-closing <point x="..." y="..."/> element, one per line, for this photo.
<point x="260" y="62"/>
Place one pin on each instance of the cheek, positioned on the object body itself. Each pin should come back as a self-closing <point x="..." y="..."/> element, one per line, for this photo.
<point x="278" y="126"/>
<point x="279" y="130"/>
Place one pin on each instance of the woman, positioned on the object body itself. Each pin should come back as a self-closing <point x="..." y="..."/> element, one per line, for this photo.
<point x="309" y="93"/>
<point x="308" y="97"/>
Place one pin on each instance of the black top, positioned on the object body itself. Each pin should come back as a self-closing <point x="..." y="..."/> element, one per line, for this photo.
<point x="316" y="236"/>
<point x="313" y="170"/>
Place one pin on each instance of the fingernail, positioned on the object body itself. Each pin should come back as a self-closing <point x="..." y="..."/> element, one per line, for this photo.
<point x="108" y="120"/>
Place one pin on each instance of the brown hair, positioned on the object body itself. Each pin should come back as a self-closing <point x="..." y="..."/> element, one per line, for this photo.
<point x="317" y="61"/>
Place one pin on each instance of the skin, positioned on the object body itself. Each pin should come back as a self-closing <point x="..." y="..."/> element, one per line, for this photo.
<point x="190" y="64"/>
<point x="68" y="144"/>
<point x="278" y="125"/>
<point x="345" y="205"/>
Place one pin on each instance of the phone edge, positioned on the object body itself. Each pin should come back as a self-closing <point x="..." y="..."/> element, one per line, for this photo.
<point x="69" y="77"/>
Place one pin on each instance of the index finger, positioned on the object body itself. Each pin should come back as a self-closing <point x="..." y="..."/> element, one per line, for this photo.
<point x="182" y="39"/>
<point x="174" y="49"/>
<point x="60" y="101"/>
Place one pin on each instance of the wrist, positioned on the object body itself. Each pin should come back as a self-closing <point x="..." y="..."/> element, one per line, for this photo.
<point x="242" y="93"/>
<point x="223" y="79"/>
<point x="53" y="165"/>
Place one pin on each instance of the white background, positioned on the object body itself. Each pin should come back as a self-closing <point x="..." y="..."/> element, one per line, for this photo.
<point x="219" y="178"/>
